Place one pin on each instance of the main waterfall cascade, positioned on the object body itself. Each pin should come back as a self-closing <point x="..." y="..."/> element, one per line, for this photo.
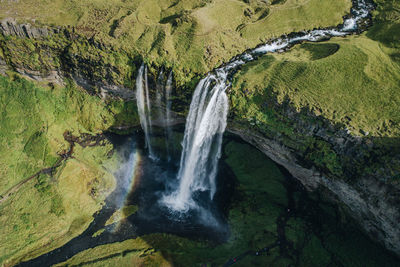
<point x="205" y="125"/>
<point x="201" y="147"/>
<point x="206" y="121"/>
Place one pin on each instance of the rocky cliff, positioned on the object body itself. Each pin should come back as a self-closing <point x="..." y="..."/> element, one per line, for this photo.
<point x="9" y="27"/>
<point x="371" y="202"/>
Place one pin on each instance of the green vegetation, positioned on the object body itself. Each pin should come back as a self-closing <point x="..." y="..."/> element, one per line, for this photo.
<point x="192" y="37"/>
<point x="121" y="214"/>
<point x="60" y="202"/>
<point x="75" y="55"/>
<point x="33" y="122"/>
<point x="324" y="156"/>
<point x="132" y="252"/>
<point x="349" y="81"/>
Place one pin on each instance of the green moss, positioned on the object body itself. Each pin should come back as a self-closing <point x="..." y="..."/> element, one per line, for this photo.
<point x="122" y="214"/>
<point x="42" y="185"/>
<point x="56" y="206"/>
<point x="386" y="24"/>
<point x="125" y="113"/>
<point x="254" y="172"/>
<point x="314" y="254"/>
<point x="323" y="156"/>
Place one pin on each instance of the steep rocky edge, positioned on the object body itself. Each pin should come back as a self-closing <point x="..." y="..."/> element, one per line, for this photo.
<point x="371" y="202"/>
<point x="53" y="55"/>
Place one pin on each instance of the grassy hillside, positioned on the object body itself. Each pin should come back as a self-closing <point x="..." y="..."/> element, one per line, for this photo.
<point x="353" y="81"/>
<point x="191" y="36"/>
<point x="350" y="81"/>
<point x="59" y="202"/>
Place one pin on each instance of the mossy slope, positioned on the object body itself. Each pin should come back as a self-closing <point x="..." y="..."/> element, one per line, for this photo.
<point x="41" y="212"/>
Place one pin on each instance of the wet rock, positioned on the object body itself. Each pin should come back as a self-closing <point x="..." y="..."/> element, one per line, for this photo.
<point x="103" y="89"/>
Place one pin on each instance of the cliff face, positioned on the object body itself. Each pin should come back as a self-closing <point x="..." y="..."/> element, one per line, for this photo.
<point x="358" y="169"/>
<point x="9" y="27"/>
<point x="371" y="202"/>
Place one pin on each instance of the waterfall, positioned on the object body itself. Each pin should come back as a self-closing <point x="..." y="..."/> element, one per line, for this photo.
<point x="146" y="86"/>
<point x="159" y="92"/>
<point x="168" y="90"/>
<point x="205" y="125"/>
<point x="143" y="104"/>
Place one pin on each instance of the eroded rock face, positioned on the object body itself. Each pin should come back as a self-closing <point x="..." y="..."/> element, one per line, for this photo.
<point x="56" y="61"/>
<point x="369" y="201"/>
<point x="9" y="27"/>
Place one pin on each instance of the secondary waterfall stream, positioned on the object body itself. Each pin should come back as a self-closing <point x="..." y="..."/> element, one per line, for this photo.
<point x="144" y="106"/>
<point x="168" y="103"/>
